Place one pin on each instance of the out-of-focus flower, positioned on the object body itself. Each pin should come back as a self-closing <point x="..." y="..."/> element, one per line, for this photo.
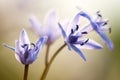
<point x="72" y="37"/>
<point x="25" y="52"/>
<point x="99" y="25"/>
<point x="48" y="28"/>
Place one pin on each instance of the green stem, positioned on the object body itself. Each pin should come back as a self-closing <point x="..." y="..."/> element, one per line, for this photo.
<point x="26" y="72"/>
<point x="47" y="54"/>
<point x="50" y="62"/>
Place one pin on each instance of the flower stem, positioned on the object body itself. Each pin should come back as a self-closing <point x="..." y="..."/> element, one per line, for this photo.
<point x="50" y="62"/>
<point x="26" y="72"/>
<point x="47" y="54"/>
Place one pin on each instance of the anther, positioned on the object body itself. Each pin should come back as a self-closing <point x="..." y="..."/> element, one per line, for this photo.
<point x="98" y="13"/>
<point x="105" y="23"/>
<point x="77" y="27"/>
<point x="83" y="32"/>
<point x="84" y="42"/>
<point x="24" y="45"/>
<point x="72" y="31"/>
<point x="33" y="44"/>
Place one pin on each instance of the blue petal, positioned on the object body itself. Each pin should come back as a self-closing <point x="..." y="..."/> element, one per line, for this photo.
<point x="94" y="46"/>
<point x="62" y="30"/>
<point x="75" y="21"/>
<point x="35" y="24"/>
<point x="68" y="44"/>
<point x="100" y="23"/>
<point x="34" y="52"/>
<point x="10" y="47"/>
<point x="90" y="19"/>
<point x="40" y="43"/>
<point x="41" y="40"/>
<point x="79" y="52"/>
<point x="19" y="52"/>
<point x="64" y="36"/>
<point x="107" y="41"/>
<point x="103" y="36"/>
<point x="84" y="14"/>
<point x="90" y="44"/>
<point x="24" y="37"/>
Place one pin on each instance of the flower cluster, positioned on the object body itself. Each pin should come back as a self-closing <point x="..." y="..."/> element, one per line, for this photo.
<point x="51" y="29"/>
<point x="26" y="53"/>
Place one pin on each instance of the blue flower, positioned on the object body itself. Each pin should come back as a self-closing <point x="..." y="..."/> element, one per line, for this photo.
<point x="99" y="25"/>
<point x="73" y="37"/>
<point x="25" y="52"/>
<point x="48" y="28"/>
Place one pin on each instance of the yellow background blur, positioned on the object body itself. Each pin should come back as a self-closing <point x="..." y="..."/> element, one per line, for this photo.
<point x="100" y="65"/>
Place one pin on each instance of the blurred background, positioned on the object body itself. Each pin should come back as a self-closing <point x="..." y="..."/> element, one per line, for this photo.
<point x="100" y="65"/>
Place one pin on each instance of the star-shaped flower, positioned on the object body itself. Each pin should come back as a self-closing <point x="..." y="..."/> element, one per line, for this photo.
<point x="48" y="28"/>
<point x="99" y="25"/>
<point x="25" y="52"/>
<point x="73" y="37"/>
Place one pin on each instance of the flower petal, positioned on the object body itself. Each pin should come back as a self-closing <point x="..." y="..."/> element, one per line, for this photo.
<point x="68" y="44"/>
<point x="18" y="58"/>
<point x="103" y="36"/>
<point x="87" y="28"/>
<point x="41" y="41"/>
<point x="79" y="52"/>
<point x="72" y="25"/>
<point x="64" y="36"/>
<point x="106" y="40"/>
<point x="39" y="44"/>
<point x="18" y="48"/>
<point x="62" y="31"/>
<point x="97" y="29"/>
<point x="50" y="19"/>
<point x="19" y="52"/>
<point x="24" y="38"/>
<point x="35" y="25"/>
<point x="51" y="27"/>
<point x="10" y="47"/>
<point x="34" y="52"/>
<point x="90" y="44"/>
<point x="84" y="14"/>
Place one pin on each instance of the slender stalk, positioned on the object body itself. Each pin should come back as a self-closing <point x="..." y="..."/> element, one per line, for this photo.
<point x="47" y="54"/>
<point x="26" y="72"/>
<point x="50" y="62"/>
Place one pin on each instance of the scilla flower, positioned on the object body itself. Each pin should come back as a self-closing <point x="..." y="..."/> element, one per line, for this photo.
<point x="99" y="25"/>
<point x="73" y="37"/>
<point x="48" y="28"/>
<point x="25" y="52"/>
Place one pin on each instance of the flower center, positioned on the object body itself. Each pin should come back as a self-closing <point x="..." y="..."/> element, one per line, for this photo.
<point x="25" y="46"/>
<point x="73" y="39"/>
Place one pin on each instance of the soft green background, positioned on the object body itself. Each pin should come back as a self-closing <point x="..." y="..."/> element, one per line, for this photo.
<point x="100" y="65"/>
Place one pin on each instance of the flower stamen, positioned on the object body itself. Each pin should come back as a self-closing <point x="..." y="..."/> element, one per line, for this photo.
<point x="72" y="31"/>
<point x="33" y="44"/>
<point x="84" y="42"/>
<point x="98" y="13"/>
<point x="83" y="32"/>
<point x="23" y="46"/>
<point x="77" y="27"/>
